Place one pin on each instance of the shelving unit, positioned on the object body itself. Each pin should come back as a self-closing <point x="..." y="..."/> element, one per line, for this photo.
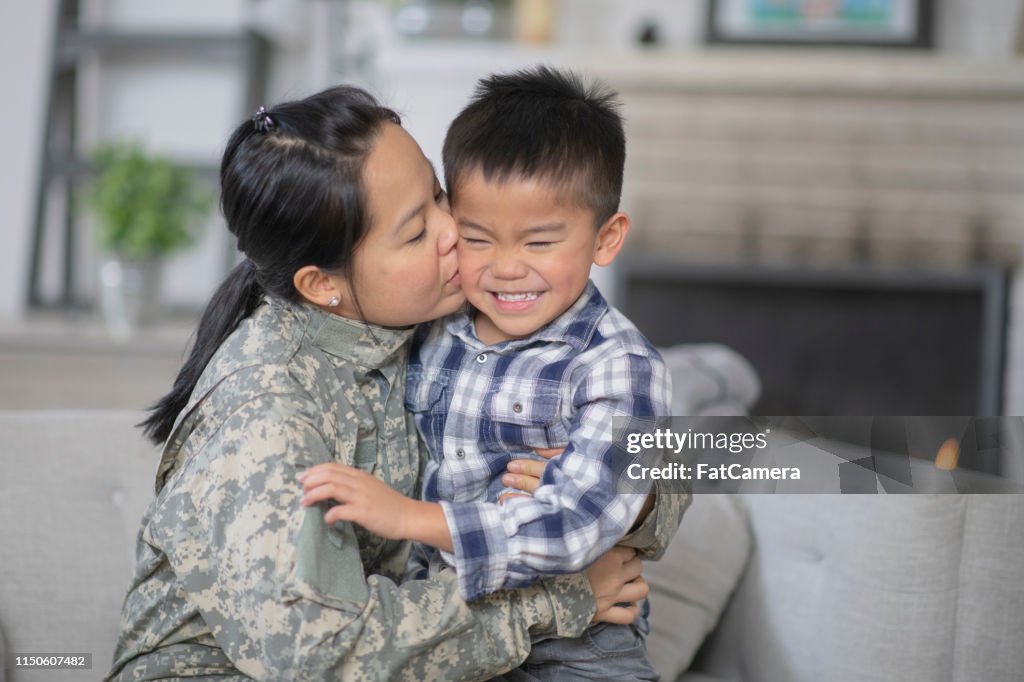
<point x="62" y="167"/>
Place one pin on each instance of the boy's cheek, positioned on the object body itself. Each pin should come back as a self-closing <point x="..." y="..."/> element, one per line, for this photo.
<point x="469" y="259"/>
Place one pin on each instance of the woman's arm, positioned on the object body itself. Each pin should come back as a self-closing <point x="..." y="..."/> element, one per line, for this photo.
<point x="285" y="596"/>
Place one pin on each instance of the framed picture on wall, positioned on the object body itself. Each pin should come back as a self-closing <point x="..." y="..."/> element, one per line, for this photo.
<point x="872" y="23"/>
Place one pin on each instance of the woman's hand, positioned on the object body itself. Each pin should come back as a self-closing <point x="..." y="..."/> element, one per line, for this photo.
<point x="617" y="578"/>
<point x="524" y="474"/>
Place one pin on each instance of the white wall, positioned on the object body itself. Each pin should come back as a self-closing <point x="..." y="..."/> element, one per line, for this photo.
<point x="983" y="30"/>
<point x="25" y="34"/>
<point x="188" y="108"/>
<point x="181" y="105"/>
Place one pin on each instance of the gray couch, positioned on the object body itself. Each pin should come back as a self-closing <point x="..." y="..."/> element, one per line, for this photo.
<point x="926" y="588"/>
<point x="813" y="588"/>
<point x="73" y="486"/>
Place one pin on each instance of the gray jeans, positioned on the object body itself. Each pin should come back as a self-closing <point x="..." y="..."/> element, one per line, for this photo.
<point x="603" y="652"/>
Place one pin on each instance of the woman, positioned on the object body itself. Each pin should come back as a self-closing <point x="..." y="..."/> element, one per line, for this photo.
<point x="300" y="359"/>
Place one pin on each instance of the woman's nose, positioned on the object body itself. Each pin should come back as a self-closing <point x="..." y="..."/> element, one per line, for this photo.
<point x="449" y="236"/>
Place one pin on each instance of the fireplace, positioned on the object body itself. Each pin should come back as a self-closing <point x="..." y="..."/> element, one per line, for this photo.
<point x="853" y="341"/>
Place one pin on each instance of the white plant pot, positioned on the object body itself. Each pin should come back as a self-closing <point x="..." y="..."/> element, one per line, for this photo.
<point x="129" y="295"/>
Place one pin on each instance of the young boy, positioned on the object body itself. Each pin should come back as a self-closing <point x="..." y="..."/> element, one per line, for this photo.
<point x="534" y="166"/>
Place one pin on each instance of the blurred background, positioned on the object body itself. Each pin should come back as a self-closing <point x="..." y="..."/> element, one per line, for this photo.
<point x="834" y="188"/>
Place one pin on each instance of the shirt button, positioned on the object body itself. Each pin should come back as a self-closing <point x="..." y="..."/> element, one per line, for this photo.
<point x="482" y="358"/>
<point x="460" y="454"/>
<point x="517" y="408"/>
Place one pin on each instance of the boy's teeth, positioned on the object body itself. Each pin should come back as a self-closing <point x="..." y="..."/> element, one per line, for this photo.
<point x="517" y="297"/>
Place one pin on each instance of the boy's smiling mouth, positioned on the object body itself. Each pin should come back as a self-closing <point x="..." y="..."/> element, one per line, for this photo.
<point x="514" y="301"/>
<point x="516" y="297"/>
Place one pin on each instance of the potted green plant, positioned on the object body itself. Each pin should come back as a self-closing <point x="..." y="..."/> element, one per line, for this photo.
<point x="146" y="208"/>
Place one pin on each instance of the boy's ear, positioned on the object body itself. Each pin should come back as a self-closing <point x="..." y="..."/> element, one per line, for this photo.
<point x="610" y="238"/>
<point x="322" y="289"/>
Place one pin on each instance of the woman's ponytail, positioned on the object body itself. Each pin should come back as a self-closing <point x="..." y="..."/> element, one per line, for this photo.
<point x="235" y="299"/>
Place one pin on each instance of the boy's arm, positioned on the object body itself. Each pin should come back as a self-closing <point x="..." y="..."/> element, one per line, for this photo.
<point x="364" y="499"/>
<point x="655" y="526"/>
<point x="577" y="512"/>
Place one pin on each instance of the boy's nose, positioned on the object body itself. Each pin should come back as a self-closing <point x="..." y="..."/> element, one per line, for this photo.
<point x="508" y="266"/>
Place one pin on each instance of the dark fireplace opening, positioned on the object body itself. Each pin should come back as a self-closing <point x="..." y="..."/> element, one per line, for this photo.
<point x="843" y="342"/>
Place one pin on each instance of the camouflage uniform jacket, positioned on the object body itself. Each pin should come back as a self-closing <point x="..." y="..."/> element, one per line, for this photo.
<point x="235" y="579"/>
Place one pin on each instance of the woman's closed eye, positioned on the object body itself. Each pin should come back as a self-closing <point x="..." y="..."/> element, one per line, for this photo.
<point x="419" y="236"/>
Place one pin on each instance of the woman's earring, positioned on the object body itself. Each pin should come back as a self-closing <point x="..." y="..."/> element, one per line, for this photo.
<point x="334" y="301"/>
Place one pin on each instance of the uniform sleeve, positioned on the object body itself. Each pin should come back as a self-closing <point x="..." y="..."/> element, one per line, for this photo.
<point x="650" y="539"/>
<point x="578" y="512"/>
<point x="286" y="597"/>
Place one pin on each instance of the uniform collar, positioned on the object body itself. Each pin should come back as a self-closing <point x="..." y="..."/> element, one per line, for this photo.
<point x="365" y="345"/>
<point x="576" y="326"/>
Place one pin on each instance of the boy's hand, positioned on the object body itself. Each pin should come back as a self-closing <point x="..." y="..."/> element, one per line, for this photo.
<point x="524" y="474"/>
<point x="362" y="498"/>
<point x="366" y="500"/>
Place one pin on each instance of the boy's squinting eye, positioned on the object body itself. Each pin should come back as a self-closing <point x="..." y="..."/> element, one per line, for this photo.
<point x="473" y="242"/>
<point x="540" y="244"/>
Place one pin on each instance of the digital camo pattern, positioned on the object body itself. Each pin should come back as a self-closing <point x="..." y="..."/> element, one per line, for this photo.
<point x="651" y="538"/>
<point x="235" y="579"/>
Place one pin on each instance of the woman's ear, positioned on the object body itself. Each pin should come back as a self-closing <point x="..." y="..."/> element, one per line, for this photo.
<point x="321" y="288"/>
<point x="610" y="238"/>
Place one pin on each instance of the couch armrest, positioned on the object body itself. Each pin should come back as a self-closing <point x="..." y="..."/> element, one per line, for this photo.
<point x="710" y="379"/>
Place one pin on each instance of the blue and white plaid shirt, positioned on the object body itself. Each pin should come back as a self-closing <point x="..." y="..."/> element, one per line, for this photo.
<point x="479" y="406"/>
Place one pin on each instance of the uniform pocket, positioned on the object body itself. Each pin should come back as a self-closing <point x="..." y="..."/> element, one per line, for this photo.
<point x="328" y="566"/>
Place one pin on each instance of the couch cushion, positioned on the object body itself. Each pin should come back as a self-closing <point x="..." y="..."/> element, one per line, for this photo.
<point x="693" y="581"/>
<point x="990" y="605"/>
<point x="710" y="379"/>
<point x="866" y="587"/>
<point x="74" y="487"/>
<point x="3" y="655"/>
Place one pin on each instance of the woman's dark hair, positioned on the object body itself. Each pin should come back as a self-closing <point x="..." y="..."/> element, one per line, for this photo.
<point x="546" y="124"/>
<point x="292" y="194"/>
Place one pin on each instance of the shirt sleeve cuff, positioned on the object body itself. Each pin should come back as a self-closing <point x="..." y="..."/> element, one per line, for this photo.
<point x="480" y="555"/>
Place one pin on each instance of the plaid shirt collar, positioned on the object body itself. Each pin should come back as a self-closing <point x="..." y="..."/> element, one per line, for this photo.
<point x="575" y="326"/>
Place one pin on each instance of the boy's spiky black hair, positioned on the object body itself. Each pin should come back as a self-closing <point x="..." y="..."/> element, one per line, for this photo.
<point x="546" y="124"/>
